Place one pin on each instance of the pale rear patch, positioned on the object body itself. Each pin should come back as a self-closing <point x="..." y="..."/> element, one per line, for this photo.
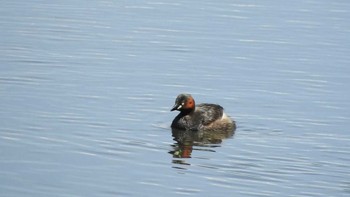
<point x="223" y="123"/>
<point x="224" y="116"/>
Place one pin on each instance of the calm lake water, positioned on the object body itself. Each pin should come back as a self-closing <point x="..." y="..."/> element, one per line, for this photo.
<point x="86" y="89"/>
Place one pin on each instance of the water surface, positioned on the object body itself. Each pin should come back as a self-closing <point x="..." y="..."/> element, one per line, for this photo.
<point x="86" y="89"/>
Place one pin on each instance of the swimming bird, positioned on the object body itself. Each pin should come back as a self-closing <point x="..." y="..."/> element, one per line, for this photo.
<point x="203" y="116"/>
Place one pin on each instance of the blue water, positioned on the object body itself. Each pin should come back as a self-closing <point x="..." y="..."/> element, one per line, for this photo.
<point x="86" y="90"/>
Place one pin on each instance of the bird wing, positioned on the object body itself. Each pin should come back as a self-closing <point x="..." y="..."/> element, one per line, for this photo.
<point x="210" y="112"/>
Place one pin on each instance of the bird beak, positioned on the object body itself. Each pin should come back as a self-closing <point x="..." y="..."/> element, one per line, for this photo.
<point x="176" y="107"/>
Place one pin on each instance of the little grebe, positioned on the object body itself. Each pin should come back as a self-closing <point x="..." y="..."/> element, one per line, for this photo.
<point x="200" y="117"/>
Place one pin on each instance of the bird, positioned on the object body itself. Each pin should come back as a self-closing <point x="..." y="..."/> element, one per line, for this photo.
<point x="201" y="117"/>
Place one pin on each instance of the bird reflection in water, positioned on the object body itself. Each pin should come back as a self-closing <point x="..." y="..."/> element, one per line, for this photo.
<point x="187" y="141"/>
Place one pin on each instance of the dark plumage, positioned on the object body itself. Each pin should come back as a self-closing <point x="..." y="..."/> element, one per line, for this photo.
<point x="199" y="117"/>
